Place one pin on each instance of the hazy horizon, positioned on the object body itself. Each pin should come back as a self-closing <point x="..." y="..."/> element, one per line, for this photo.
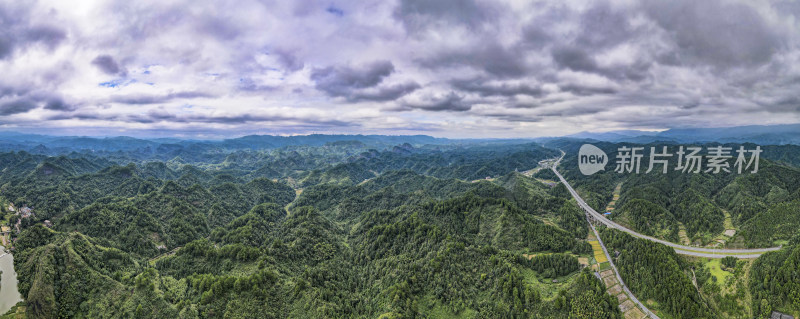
<point x="768" y="134"/>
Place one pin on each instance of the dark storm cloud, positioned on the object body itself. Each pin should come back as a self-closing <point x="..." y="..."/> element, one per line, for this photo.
<point x="514" y="117"/>
<point x="788" y="7"/>
<point x="600" y="27"/>
<point x="139" y="23"/>
<point x="360" y="83"/>
<point x="154" y="116"/>
<point x="22" y="97"/>
<point x="6" y="46"/>
<point x="19" y="32"/>
<point x="161" y="115"/>
<point x="585" y="90"/>
<point x="574" y="58"/>
<point x="535" y="37"/>
<point x="714" y="32"/>
<point x="57" y="104"/>
<point x="289" y="60"/>
<point x="49" y="35"/>
<point x="108" y="65"/>
<point x="574" y="110"/>
<point x="384" y="93"/>
<point x="603" y="26"/>
<point x="12" y="89"/>
<point x="16" y="106"/>
<point x="419" y="14"/>
<point x="488" y="56"/>
<point x="690" y="105"/>
<point x="485" y="88"/>
<point x="787" y="103"/>
<point x="248" y="118"/>
<point x="450" y="102"/>
<point x="218" y="27"/>
<point x="250" y="85"/>
<point x="681" y="34"/>
<point x="340" y="80"/>
<point x="302" y="8"/>
<point x="153" y="99"/>
<point x="577" y="59"/>
<point x="80" y="116"/>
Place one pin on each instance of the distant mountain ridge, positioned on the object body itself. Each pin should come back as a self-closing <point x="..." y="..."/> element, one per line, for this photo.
<point x="50" y="145"/>
<point x="12" y="141"/>
<point x="759" y="134"/>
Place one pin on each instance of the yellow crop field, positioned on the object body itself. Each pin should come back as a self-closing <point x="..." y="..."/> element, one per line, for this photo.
<point x="598" y="252"/>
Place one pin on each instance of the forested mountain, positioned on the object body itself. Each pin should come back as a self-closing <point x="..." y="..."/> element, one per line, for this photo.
<point x="205" y="151"/>
<point x="656" y="272"/>
<point x="403" y="232"/>
<point x="696" y="208"/>
<point x="345" y="231"/>
<point x="775" y="281"/>
<point x="761" y="134"/>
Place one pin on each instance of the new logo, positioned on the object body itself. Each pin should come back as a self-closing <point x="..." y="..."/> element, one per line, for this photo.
<point x="591" y="159"/>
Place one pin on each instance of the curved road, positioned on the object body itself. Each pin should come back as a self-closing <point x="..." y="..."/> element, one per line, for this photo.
<point x="681" y="249"/>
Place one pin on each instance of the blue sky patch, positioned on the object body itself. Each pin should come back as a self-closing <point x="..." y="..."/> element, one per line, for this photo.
<point x="117" y="83"/>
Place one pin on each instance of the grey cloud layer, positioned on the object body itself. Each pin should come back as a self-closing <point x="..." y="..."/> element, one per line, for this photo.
<point x="19" y="32"/>
<point x="715" y="32"/>
<point x="154" y="99"/>
<point x="108" y="65"/>
<point x="498" y="62"/>
<point x="360" y="84"/>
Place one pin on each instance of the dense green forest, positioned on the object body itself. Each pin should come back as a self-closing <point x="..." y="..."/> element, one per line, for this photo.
<point x="343" y="230"/>
<point x="333" y="231"/>
<point x="775" y="281"/>
<point x="654" y="271"/>
<point x="701" y="206"/>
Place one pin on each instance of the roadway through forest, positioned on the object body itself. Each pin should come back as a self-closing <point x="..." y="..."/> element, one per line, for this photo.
<point x="625" y="289"/>
<point x="681" y="249"/>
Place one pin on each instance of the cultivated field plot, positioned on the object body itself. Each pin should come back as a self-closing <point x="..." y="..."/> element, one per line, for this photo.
<point x="634" y="313"/>
<point x="610" y="281"/>
<point x="615" y="290"/>
<point x="599" y="256"/>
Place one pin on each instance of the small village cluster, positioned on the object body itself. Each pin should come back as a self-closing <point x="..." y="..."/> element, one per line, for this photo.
<point x="23" y="212"/>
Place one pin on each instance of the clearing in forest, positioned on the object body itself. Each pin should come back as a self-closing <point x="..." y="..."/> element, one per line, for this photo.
<point x="682" y="234"/>
<point x="634" y="313"/>
<point x="613" y="203"/>
<point x="727" y="234"/>
<point x="599" y="256"/>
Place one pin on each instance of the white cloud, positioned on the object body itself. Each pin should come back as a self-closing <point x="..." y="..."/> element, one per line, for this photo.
<point x="458" y="68"/>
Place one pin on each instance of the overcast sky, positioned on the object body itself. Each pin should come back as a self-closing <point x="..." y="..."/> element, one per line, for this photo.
<point x="444" y="68"/>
